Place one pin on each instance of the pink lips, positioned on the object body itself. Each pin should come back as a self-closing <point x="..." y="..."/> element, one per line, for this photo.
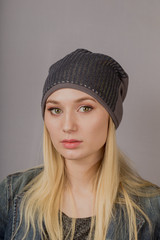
<point x="70" y="143"/>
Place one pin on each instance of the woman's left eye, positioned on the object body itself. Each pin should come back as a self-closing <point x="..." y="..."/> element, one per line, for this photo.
<point x="85" y="109"/>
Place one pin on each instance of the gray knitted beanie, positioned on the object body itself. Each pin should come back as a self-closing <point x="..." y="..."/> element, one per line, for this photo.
<point x="93" y="73"/>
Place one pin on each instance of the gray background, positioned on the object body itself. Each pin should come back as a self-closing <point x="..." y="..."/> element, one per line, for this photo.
<point x="36" y="33"/>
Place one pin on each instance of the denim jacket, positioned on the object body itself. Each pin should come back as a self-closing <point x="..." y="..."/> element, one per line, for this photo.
<point x="11" y="193"/>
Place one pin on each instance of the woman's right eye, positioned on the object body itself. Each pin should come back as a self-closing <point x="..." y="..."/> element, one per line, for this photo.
<point x="55" y="111"/>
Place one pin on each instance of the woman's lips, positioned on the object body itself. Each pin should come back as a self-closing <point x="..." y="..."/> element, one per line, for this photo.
<point x="71" y="143"/>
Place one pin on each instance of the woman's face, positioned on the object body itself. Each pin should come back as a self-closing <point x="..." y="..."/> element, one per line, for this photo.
<point x="77" y="124"/>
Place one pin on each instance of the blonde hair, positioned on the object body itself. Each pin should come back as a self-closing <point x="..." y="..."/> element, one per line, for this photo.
<point x="116" y="184"/>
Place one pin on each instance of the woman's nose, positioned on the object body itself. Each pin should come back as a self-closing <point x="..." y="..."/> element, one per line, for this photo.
<point x="69" y="123"/>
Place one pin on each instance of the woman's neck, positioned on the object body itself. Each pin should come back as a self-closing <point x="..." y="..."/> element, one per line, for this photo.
<point x="78" y="196"/>
<point x="81" y="174"/>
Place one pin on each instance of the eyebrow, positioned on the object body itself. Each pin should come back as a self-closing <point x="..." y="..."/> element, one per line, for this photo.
<point x="77" y="101"/>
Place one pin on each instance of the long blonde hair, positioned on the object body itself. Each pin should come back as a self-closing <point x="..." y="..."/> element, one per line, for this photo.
<point x="116" y="184"/>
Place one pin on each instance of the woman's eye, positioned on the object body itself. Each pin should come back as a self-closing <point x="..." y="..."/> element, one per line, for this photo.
<point x="85" y="109"/>
<point x="55" y="111"/>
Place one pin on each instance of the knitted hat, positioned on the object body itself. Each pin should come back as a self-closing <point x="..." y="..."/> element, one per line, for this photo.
<point x="93" y="73"/>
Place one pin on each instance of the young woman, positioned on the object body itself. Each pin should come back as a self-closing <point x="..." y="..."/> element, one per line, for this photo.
<point x="86" y="189"/>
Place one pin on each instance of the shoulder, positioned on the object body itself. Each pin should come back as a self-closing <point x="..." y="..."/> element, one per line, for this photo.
<point x="151" y="195"/>
<point x="20" y="179"/>
<point x="11" y="187"/>
<point x="150" y="204"/>
<point x="14" y="184"/>
<point x="26" y="175"/>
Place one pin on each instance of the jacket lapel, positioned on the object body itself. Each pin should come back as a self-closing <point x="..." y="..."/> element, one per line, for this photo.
<point x="17" y="232"/>
<point x="122" y="233"/>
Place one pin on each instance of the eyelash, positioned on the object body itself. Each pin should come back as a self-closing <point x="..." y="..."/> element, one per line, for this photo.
<point x="85" y="106"/>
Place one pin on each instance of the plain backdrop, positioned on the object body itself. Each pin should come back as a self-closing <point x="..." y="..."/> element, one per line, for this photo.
<point x="36" y="33"/>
